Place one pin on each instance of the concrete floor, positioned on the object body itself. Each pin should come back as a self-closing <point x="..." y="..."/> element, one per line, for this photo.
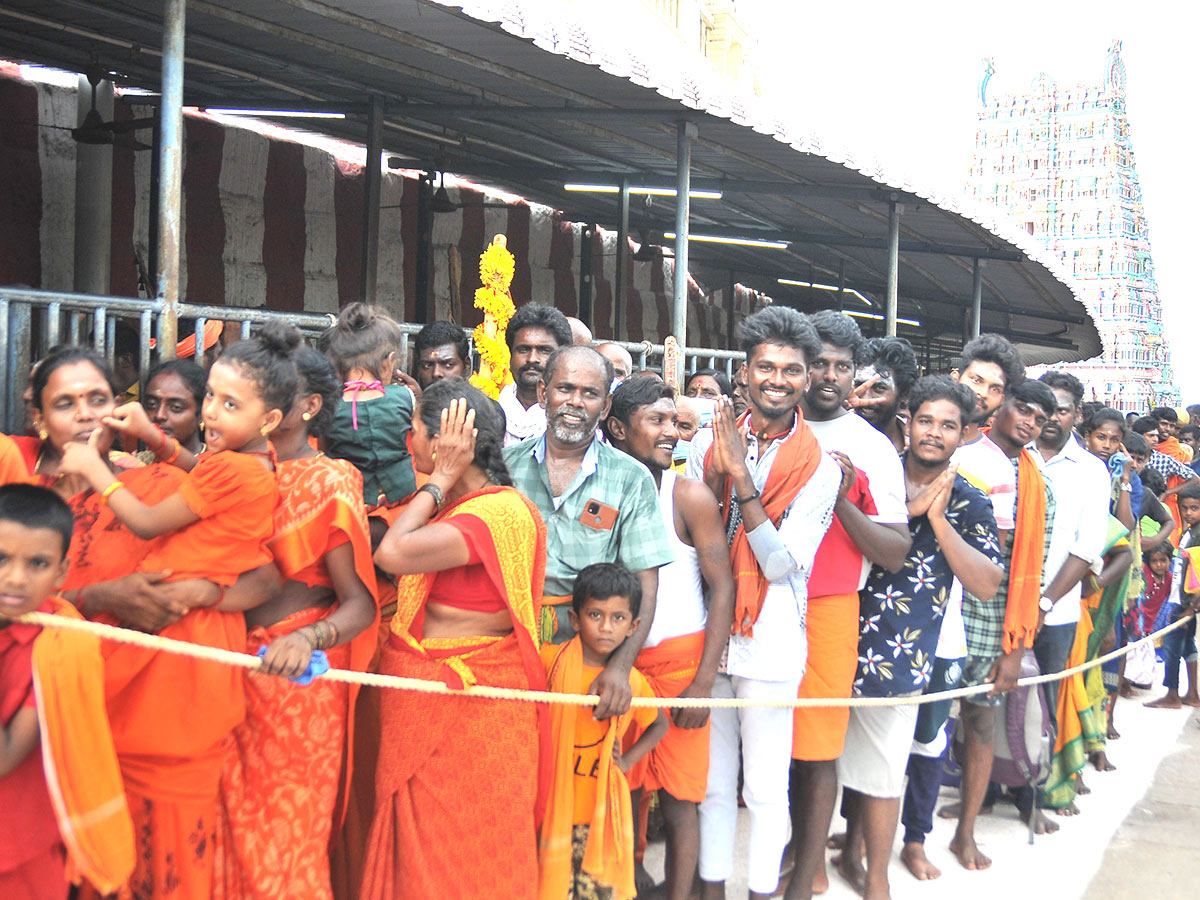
<point x="1137" y="834"/>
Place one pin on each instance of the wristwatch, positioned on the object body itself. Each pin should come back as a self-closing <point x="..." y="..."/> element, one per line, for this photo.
<point x="1045" y="604"/>
<point x="1127" y="488"/>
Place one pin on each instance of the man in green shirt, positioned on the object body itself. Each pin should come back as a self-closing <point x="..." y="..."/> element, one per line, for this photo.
<point x="599" y="505"/>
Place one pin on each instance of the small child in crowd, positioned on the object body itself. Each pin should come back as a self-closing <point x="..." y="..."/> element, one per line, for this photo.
<point x="1180" y="644"/>
<point x="586" y="841"/>
<point x="371" y="425"/>
<point x="85" y="831"/>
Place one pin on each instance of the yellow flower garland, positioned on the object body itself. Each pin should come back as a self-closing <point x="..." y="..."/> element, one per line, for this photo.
<point x="496" y="268"/>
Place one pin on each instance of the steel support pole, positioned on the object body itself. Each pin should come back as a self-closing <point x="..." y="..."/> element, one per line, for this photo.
<point x="622" y="260"/>
<point x="373" y="179"/>
<point x="683" y="182"/>
<point x="93" y="197"/>
<point x="170" y="185"/>
<point x="586" y="235"/>
<point x="731" y="306"/>
<point x="424" y="276"/>
<point x="976" y="298"/>
<point x="893" y="282"/>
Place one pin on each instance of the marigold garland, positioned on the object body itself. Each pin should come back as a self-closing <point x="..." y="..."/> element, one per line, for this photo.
<point x="496" y="268"/>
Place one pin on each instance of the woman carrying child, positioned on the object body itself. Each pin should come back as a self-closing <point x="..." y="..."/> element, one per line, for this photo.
<point x="280" y="784"/>
<point x="458" y="781"/>
<point x="171" y="715"/>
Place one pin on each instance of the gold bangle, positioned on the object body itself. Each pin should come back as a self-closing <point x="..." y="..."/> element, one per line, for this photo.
<point x="107" y="492"/>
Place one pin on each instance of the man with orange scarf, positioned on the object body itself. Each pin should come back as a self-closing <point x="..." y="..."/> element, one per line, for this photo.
<point x="778" y="492"/>
<point x="1000" y="629"/>
<point x="690" y="630"/>
<point x="870" y="527"/>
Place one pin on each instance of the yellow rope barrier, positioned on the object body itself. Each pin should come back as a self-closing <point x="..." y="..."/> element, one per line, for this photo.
<point x="369" y="679"/>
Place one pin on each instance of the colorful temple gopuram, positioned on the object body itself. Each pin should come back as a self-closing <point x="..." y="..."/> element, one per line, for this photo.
<point x="1059" y="160"/>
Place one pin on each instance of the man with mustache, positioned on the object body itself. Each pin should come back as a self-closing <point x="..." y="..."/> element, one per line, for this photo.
<point x="533" y="333"/>
<point x="870" y="527"/>
<point x="599" y="505"/>
<point x="953" y="537"/>
<point x="999" y="629"/>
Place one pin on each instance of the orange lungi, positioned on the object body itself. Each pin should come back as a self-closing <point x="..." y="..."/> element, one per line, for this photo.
<point x="279" y="785"/>
<point x="818" y="733"/>
<point x="457" y="785"/>
<point x="679" y="762"/>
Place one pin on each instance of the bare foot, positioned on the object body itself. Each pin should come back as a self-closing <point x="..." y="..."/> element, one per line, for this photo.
<point x="913" y="856"/>
<point x="1191" y="700"/>
<point x="968" y="853"/>
<point x="852" y="870"/>
<point x="836" y="841"/>
<point x="954" y="811"/>
<point x="821" y="878"/>
<point x="1069" y="810"/>
<point x="1100" y="761"/>
<point x="1041" y="824"/>
<point x="1113" y="734"/>
<point x="643" y="881"/>
<point x="1127" y="690"/>
<point x="1080" y="788"/>
<point x="1167" y="702"/>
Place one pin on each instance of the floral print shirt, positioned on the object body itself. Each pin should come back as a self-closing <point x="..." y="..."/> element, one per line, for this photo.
<point x="900" y="613"/>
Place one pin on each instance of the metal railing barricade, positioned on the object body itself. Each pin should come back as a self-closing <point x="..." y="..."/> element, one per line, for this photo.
<point x="46" y="318"/>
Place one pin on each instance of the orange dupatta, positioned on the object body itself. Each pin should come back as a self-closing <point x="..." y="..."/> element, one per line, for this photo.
<point x="609" y="854"/>
<point x="1028" y="556"/>
<point x="796" y="459"/>
<point x="78" y="758"/>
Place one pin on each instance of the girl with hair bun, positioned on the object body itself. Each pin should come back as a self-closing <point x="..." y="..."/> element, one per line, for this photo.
<point x="371" y="425"/>
<point x="171" y="715"/>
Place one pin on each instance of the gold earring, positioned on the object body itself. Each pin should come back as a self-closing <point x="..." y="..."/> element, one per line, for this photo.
<point x="266" y="429"/>
<point x="43" y="434"/>
<point x="306" y="416"/>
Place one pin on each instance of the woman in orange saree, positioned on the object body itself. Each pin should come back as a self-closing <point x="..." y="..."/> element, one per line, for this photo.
<point x="169" y="714"/>
<point x="458" y="783"/>
<point x="280" y="784"/>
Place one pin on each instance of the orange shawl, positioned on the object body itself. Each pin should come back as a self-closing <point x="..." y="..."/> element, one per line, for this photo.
<point x="609" y="854"/>
<point x="1172" y="448"/>
<point x="797" y="458"/>
<point x="1028" y="556"/>
<point x="80" y="763"/>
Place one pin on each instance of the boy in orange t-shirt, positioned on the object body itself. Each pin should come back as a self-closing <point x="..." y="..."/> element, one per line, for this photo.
<point x="586" y="840"/>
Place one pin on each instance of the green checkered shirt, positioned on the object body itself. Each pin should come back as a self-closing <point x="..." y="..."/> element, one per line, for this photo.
<point x="984" y="620"/>
<point x="637" y="540"/>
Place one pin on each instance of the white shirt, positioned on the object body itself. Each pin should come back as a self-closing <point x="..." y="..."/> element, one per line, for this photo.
<point x="1082" y="487"/>
<point x="521" y="424"/>
<point x="873" y="452"/>
<point x="778" y="649"/>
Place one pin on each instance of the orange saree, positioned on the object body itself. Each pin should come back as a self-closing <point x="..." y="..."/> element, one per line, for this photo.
<point x="281" y="782"/>
<point x="457" y="779"/>
<point x="283" y="778"/>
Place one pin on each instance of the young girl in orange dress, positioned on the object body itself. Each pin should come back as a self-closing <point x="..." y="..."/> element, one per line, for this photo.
<point x="171" y="715"/>
<point x="280" y="786"/>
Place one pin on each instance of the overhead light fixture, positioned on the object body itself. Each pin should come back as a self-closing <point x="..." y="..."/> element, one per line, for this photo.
<point x="651" y="191"/>
<point x="739" y="241"/>
<point x="877" y="317"/>
<point x="276" y="113"/>
<point x="825" y="287"/>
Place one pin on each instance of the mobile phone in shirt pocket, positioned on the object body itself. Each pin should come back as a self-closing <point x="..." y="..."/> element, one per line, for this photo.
<point x="598" y="516"/>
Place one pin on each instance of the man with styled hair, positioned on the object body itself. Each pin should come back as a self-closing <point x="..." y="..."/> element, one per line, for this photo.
<point x="778" y="491"/>
<point x="887" y="370"/>
<point x="870" y="527"/>
<point x="533" y="333"/>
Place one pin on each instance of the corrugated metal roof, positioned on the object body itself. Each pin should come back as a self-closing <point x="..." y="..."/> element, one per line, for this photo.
<point x="527" y="97"/>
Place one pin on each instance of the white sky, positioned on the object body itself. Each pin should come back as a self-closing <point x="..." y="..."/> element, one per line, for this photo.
<point x="899" y="81"/>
